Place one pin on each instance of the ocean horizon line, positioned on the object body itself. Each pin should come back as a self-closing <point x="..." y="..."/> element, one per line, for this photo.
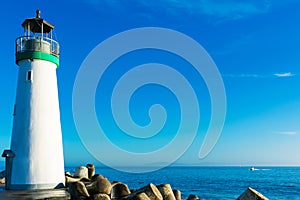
<point x="190" y="166"/>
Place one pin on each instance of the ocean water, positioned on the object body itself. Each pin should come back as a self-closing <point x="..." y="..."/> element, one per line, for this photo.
<point x="220" y="183"/>
<point x="209" y="183"/>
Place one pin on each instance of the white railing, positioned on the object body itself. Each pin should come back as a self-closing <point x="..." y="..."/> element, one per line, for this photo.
<point x="37" y="43"/>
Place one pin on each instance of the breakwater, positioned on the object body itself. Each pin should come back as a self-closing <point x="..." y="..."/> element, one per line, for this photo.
<point x="83" y="183"/>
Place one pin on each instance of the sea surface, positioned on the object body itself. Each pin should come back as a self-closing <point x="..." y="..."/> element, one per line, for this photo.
<point x="220" y="183"/>
<point x="211" y="183"/>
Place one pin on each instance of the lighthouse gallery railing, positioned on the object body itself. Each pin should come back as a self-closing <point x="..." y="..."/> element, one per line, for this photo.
<point x="37" y="43"/>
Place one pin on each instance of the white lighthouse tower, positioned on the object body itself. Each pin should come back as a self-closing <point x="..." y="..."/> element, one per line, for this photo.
<point x="36" y="142"/>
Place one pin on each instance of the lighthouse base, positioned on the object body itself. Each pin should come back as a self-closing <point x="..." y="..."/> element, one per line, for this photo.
<point x="56" y="194"/>
<point x="35" y="186"/>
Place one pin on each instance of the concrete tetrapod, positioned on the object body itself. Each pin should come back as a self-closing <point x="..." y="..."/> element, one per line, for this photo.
<point x="98" y="184"/>
<point x="177" y="194"/>
<point x="99" y="196"/>
<point x="119" y="190"/>
<point x="78" y="190"/>
<point x="251" y="194"/>
<point x="193" y="197"/>
<point x="166" y="191"/>
<point x="91" y="170"/>
<point x="140" y="196"/>
<point x="150" y="190"/>
<point x="81" y="172"/>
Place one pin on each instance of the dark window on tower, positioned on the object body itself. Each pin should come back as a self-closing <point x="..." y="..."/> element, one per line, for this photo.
<point x="29" y="76"/>
<point x="15" y="107"/>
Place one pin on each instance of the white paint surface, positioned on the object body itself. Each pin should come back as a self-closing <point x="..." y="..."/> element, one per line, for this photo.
<point x="36" y="138"/>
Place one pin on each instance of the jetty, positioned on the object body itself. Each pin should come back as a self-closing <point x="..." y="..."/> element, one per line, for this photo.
<point x="84" y="184"/>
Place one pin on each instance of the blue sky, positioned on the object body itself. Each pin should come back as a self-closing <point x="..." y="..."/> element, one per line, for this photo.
<point x="254" y="44"/>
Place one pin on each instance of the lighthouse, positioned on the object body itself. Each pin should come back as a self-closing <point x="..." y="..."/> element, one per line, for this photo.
<point x="36" y="142"/>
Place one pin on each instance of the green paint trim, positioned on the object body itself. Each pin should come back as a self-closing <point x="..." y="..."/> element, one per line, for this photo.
<point x="37" y="55"/>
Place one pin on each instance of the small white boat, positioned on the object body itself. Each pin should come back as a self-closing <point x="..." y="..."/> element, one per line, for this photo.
<point x="252" y="169"/>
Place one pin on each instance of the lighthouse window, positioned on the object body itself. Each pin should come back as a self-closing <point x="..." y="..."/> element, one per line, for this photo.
<point x="15" y="107"/>
<point x="29" y="76"/>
